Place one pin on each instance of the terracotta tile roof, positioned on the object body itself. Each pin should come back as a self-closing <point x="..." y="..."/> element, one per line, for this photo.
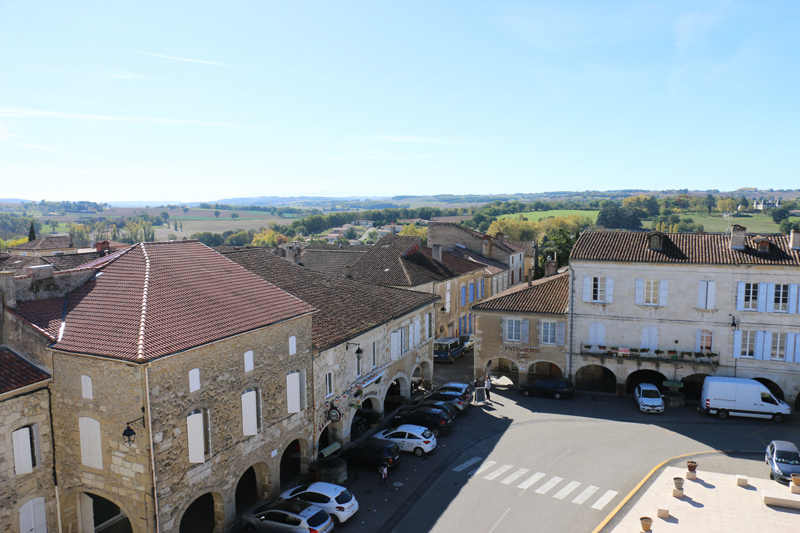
<point x="347" y="308"/>
<point x="50" y="242"/>
<point x="680" y="248"/>
<point x="177" y="294"/>
<point x="546" y="295"/>
<point x="491" y="266"/>
<point x="70" y="261"/>
<point x="18" y="372"/>
<point x="18" y="263"/>
<point x="524" y="245"/>
<point x="331" y="261"/>
<point x="401" y="261"/>
<point x="348" y="248"/>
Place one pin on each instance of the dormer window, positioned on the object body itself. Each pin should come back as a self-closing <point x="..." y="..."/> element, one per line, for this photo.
<point x="762" y="244"/>
<point x="655" y="241"/>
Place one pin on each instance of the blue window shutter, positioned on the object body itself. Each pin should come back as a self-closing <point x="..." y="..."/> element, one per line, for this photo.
<point x="770" y="299"/>
<point x="587" y="288"/>
<point x="790" y="347"/>
<point x="471" y="292"/>
<point x="560" y="330"/>
<point x="481" y="295"/>
<point x="662" y="292"/>
<point x="702" y="289"/>
<point x="737" y="344"/>
<point x="762" y="297"/>
<point x="759" y="345"/>
<point x="766" y="353"/>
<point x="463" y="296"/>
<point x="524" y="332"/>
<point x="609" y="290"/>
<point x="639" y="295"/>
<point x="793" y="298"/>
<point x="740" y="297"/>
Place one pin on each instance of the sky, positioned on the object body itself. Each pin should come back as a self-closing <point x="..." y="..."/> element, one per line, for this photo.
<point x="198" y="101"/>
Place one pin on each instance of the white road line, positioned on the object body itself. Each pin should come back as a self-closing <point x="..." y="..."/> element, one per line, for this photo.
<point x="500" y="520"/>
<point x="516" y="475"/>
<point x="604" y="499"/>
<point x="530" y="481"/>
<point x="464" y="466"/>
<point x="497" y="472"/>
<point x="585" y="495"/>
<point x="560" y="495"/>
<point x="549" y="485"/>
<point x="485" y="466"/>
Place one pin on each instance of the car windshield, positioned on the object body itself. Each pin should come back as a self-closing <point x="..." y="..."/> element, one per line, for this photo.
<point x="318" y="519"/>
<point x="427" y="434"/>
<point x="787" y="458"/>
<point x="441" y="347"/>
<point x="344" y="497"/>
<point x="648" y="393"/>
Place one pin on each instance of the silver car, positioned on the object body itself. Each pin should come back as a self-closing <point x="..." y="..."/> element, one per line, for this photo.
<point x="335" y="500"/>
<point x="783" y="459"/>
<point x="289" y="516"/>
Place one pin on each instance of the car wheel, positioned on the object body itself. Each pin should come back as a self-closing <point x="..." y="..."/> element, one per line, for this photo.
<point x="722" y="414"/>
<point x="777" y="418"/>
<point x="771" y="475"/>
<point x="557" y="396"/>
<point x="525" y="393"/>
<point x="419" y="452"/>
<point x="436" y="431"/>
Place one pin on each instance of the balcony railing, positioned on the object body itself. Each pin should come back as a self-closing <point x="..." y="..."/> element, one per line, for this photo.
<point x="643" y="354"/>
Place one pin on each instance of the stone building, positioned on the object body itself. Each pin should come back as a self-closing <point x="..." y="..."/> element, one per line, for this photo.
<point x="369" y="342"/>
<point x="522" y="331"/>
<point x="181" y="388"/>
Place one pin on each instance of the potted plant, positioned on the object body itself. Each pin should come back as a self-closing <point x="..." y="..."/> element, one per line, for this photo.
<point x="646" y="522"/>
<point x="587" y="347"/>
<point x="659" y="352"/>
<point x="602" y="347"/>
<point x="672" y="352"/>
<point x="685" y="354"/>
<point x="691" y="465"/>
<point x="634" y="350"/>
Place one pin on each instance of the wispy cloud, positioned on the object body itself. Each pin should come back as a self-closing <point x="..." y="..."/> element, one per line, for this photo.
<point x="414" y="156"/>
<point x="12" y="112"/>
<point x="692" y="28"/>
<point x="64" y="152"/>
<point x="186" y="59"/>
<point x="123" y="75"/>
<point x="409" y="139"/>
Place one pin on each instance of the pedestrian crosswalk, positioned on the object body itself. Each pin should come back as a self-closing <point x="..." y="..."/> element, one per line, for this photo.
<point x="490" y="470"/>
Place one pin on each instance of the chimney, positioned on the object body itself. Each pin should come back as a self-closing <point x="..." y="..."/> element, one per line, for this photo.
<point x="296" y="254"/>
<point x="347" y="271"/>
<point x="794" y="239"/>
<point x="102" y="247"/>
<point x="7" y="288"/>
<point x="550" y="267"/>
<point x="40" y="271"/>
<point x="486" y="246"/>
<point x="530" y="277"/>
<point x="738" y="237"/>
<point x="436" y="252"/>
<point x="500" y="237"/>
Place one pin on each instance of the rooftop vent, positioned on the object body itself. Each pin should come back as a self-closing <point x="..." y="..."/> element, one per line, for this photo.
<point x="738" y="237"/>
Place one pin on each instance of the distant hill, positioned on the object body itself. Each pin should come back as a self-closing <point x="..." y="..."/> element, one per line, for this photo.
<point x="12" y="201"/>
<point x="285" y="200"/>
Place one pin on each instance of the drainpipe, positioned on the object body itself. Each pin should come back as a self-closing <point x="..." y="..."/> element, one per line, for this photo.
<point x="571" y="318"/>
<point x="150" y="448"/>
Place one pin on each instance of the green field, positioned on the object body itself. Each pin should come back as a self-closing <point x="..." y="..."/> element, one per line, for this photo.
<point x="715" y="223"/>
<point x="539" y="215"/>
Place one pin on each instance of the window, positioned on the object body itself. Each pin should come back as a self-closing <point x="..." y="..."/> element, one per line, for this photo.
<point x="651" y="292"/>
<point x="292" y="345"/>
<point x="248" y="361"/>
<point x="251" y="412"/>
<point x="198" y="431"/>
<point x="428" y="325"/>
<point x="597" y="334"/>
<point x="548" y="332"/>
<point x="463" y="296"/>
<point x="781" y="298"/>
<point x="750" y="297"/>
<point x="358" y="363"/>
<point x="513" y="329"/>
<point x="598" y="289"/>
<point x="649" y="338"/>
<point x="374" y="355"/>
<point x="329" y="384"/>
<point x="778" y="346"/>
<point x="706" y="291"/>
<point x="705" y="341"/>
<point x="33" y="516"/>
<point x="403" y="339"/>
<point x="295" y="391"/>
<point x="447" y="302"/>
<point x="194" y="379"/>
<point x="91" y="449"/>
<point x="26" y="449"/>
<point x="471" y="292"/>
<point x="748" y="343"/>
<point x="86" y="388"/>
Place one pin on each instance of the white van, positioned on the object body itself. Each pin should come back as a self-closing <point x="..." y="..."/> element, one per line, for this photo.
<point x="741" y="397"/>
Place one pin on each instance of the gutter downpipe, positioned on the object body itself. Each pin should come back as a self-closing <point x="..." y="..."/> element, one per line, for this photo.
<point x="150" y="438"/>
<point x="571" y="316"/>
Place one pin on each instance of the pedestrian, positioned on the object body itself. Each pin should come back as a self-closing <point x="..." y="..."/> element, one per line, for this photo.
<point x="383" y="472"/>
<point x="487" y="386"/>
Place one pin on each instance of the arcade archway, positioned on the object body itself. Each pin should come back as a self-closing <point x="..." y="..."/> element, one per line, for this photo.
<point x="595" y="378"/>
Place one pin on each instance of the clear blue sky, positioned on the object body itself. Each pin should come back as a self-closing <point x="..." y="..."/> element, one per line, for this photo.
<point x="192" y="101"/>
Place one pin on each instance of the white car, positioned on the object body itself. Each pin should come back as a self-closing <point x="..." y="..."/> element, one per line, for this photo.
<point x="649" y="398"/>
<point x="417" y="439"/>
<point x="334" y="499"/>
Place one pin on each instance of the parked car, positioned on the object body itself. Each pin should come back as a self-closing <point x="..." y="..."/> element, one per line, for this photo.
<point x="416" y="439"/>
<point x="467" y="390"/>
<point x="447" y="349"/>
<point x="468" y="341"/>
<point x="444" y="405"/>
<point x="649" y="398"/>
<point x="452" y="397"/>
<point x="741" y="397"/>
<point x="286" y="516"/>
<point x="556" y="387"/>
<point x="335" y="500"/>
<point x="373" y="452"/>
<point x="434" y="419"/>
<point x="783" y="459"/>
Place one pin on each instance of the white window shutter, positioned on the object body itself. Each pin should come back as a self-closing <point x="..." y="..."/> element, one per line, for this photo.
<point x="587" y="288"/>
<point x="793" y="298"/>
<point x="447" y="302"/>
<point x="662" y="292"/>
<point x="597" y="334"/>
<point x="539" y="331"/>
<point x="697" y="339"/>
<point x="292" y="345"/>
<point x="790" y="347"/>
<point x="249" y="413"/>
<point x="524" y="331"/>
<point x="702" y="289"/>
<point x="248" y="361"/>
<point x="560" y="333"/>
<point x="293" y="392"/>
<point x="759" y="345"/>
<point x="503" y="329"/>
<point x="21" y="440"/>
<point x="428" y="326"/>
<point x="737" y="344"/>
<point x="416" y="335"/>
<point x="33" y="517"/>
<point x="91" y="450"/>
<point x="303" y="389"/>
<point x="194" y="379"/>
<point x="712" y="290"/>
<point x="639" y="294"/>
<point x="395" y="344"/>
<point x="196" y="438"/>
<point x="86" y="387"/>
<point x="762" y="297"/>
<point x="770" y="303"/>
<point x="609" y="290"/>
<point x="740" y="297"/>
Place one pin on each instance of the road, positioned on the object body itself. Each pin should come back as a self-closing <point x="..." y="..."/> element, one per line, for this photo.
<point x="538" y="464"/>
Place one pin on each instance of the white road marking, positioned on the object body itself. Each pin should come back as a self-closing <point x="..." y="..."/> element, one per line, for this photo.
<point x="466" y="465"/>
<point x="500" y="520"/>
<point x="604" y="499"/>
<point x="485" y="466"/>
<point x="516" y="475"/>
<point x="530" y="481"/>
<point x="560" y="495"/>
<point x="585" y="495"/>
<point x="497" y="472"/>
<point x="549" y="485"/>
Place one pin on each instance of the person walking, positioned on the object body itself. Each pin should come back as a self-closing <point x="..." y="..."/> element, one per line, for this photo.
<point x="488" y="385"/>
<point x="383" y="472"/>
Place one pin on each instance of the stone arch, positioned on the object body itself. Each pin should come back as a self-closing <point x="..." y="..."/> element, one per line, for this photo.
<point x="544" y="369"/>
<point x="693" y="386"/>
<point x="254" y="484"/>
<point x="204" y="515"/>
<point x="596" y="378"/>
<point x="106" y="510"/>
<point x="504" y="371"/>
<point x="422" y="376"/>
<point x="398" y="391"/>
<point x="644" y="376"/>
<point x="773" y="387"/>
<point x="364" y="417"/>
<point x="294" y="461"/>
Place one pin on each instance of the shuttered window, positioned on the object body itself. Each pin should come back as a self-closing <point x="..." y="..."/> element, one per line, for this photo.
<point x="293" y="392"/>
<point x="197" y="430"/>
<point x="86" y="388"/>
<point x="248" y="361"/>
<point x="250" y="412"/>
<point x="91" y="449"/>
<point x="292" y="345"/>
<point x="194" y="379"/>
<point x="24" y="448"/>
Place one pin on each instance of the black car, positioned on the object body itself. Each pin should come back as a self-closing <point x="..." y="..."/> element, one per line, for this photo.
<point x="432" y="418"/>
<point x="445" y="406"/>
<point x="456" y="399"/>
<point x="373" y="452"/>
<point x="556" y="387"/>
